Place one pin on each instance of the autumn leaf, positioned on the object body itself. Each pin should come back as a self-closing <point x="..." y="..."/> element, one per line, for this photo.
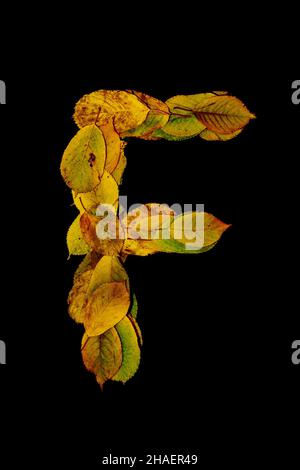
<point x="144" y="220"/>
<point x="92" y="166"/>
<point x="109" y="269"/>
<point x="173" y="240"/>
<point x="131" y="353"/>
<point x="75" y="241"/>
<point x="83" y="161"/>
<point x="157" y="117"/>
<point x="99" y="107"/>
<point x="112" y="245"/>
<point x="77" y="298"/>
<point x="211" y="135"/>
<point x="219" y="113"/>
<point x="180" y="126"/>
<point x="107" y="305"/>
<point x="102" y="355"/>
<point x="106" y="192"/>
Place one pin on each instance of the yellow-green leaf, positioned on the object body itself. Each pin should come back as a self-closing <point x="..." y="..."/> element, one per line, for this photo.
<point x="102" y="355"/>
<point x="181" y="125"/>
<point x="157" y="117"/>
<point x="107" y="305"/>
<point x="75" y="241"/>
<point x="191" y="239"/>
<point x="216" y="112"/>
<point x="134" y="307"/>
<point x="83" y="161"/>
<point x="131" y="353"/>
<point x="101" y="106"/>
<point x="106" y="192"/>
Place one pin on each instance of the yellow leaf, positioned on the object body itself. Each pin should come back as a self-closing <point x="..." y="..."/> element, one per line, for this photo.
<point x="146" y="220"/>
<point x="102" y="355"/>
<point x="219" y="113"/>
<point x="109" y="269"/>
<point x="99" y="107"/>
<point x="106" y="192"/>
<point x="131" y="353"/>
<point x="83" y="161"/>
<point x="75" y="241"/>
<point x="190" y="239"/>
<point x="107" y="305"/>
<point x="157" y="117"/>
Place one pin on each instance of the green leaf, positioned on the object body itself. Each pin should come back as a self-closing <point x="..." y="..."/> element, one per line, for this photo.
<point x="131" y="353"/>
<point x="134" y="307"/>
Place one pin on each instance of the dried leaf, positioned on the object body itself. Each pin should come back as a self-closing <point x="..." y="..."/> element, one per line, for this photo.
<point x="99" y="107"/>
<point x="131" y="353"/>
<point x="83" y="161"/>
<point x="111" y="246"/>
<point x="102" y="355"/>
<point x="107" y="305"/>
<point x="75" y="241"/>
<point x="77" y="298"/>
<point x="157" y="117"/>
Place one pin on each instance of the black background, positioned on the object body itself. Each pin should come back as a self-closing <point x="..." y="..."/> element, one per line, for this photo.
<point x="216" y="376"/>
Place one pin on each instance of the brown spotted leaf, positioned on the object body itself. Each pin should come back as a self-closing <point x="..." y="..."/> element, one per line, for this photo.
<point x="99" y="107"/>
<point x="93" y="231"/>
